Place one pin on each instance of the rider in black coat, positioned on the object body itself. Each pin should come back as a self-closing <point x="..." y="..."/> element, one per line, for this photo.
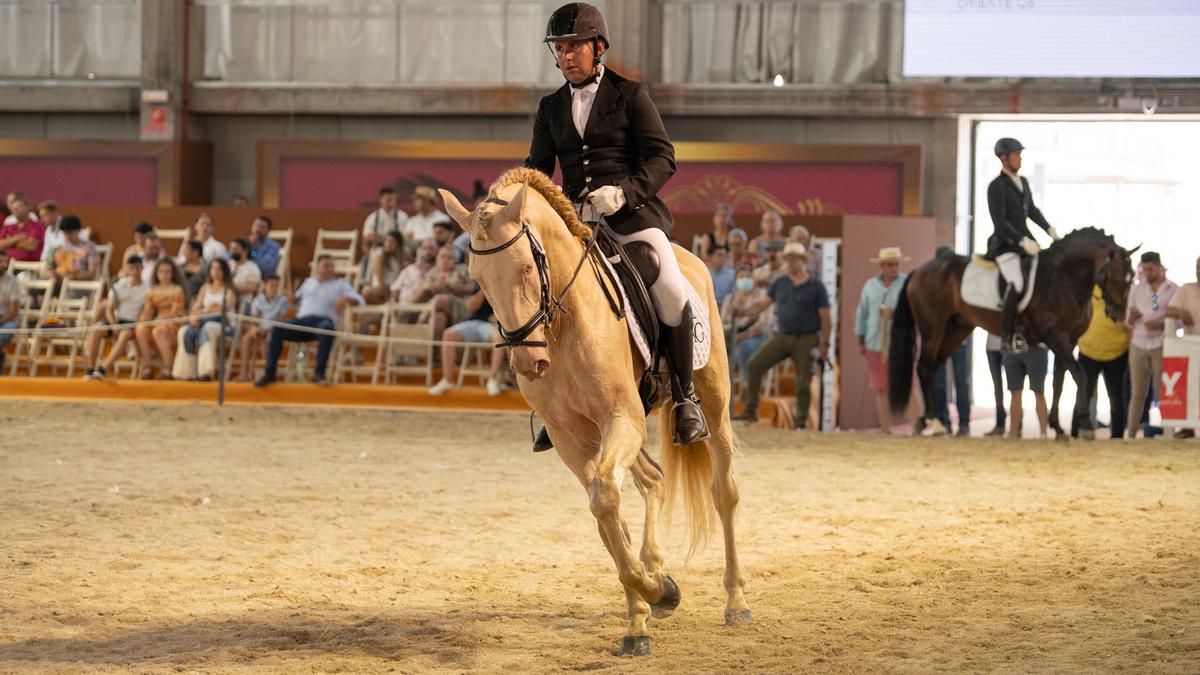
<point x="1010" y="202"/>
<point x="606" y="134"/>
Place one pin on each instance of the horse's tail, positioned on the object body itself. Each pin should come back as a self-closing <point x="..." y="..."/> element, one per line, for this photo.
<point x="688" y="470"/>
<point x="901" y="353"/>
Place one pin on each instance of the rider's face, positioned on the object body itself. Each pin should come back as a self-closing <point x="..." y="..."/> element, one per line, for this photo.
<point x="575" y="59"/>
<point x="1012" y="161"/>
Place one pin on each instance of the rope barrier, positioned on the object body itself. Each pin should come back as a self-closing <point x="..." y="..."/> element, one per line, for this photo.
<point x="79" y="331"/>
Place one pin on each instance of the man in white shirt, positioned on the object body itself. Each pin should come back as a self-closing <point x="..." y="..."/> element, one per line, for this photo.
<point x="202" y="231"/>
<point x="420" y="224"/>
<point x="386" y="218"/>
<point x="153" y="248"/>
<point x="405" y="287"/>
<point x="124" y="306"/>
<point x="48" y="212"/>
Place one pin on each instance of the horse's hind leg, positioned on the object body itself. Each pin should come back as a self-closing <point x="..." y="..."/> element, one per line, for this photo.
<point x="725" y="498"/>
<point x="648" y="477"/>
<point x="1060" y="371"/>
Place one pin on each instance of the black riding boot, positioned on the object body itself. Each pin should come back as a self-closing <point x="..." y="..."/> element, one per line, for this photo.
<point x="1012" y="341"/>
<point x="690" y="426"/>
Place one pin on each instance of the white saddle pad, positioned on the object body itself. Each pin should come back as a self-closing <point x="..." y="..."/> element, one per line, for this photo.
<point x="981" y="286"/>
<point x="702" y="343"/>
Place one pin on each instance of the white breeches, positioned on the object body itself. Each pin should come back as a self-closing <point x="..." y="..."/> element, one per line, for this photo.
<point x="1010" y="269"/>
<point x="669" y="292"/>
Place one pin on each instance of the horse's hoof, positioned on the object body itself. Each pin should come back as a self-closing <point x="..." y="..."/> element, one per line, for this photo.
<point x="635" y="646"/>
<point x="1087" y="434"/>
<point x="742" y="617"/>
<point x="1062" y="437"/>
<point x="668" y="602"/>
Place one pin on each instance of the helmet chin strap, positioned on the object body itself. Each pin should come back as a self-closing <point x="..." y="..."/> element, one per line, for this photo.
<point x="597" y="59"/>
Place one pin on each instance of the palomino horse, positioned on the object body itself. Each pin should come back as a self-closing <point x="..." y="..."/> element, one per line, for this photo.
<point x="1057" y="315"/>
<point x="577" y="368"/>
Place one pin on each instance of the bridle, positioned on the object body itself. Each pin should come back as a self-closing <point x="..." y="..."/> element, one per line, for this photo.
<point x="1101" y="280"/>
<point x="548" y="306"/>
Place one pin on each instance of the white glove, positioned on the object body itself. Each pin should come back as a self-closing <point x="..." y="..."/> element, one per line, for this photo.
<point x="1030" y="246"/>
<point x="607" y="199"/>
<point x="1053" y="233"/>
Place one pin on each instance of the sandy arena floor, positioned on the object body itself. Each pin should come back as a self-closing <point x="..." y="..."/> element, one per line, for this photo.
<point x="187" y="538"/>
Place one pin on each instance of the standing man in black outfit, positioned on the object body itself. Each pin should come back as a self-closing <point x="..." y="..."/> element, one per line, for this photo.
<point x="1010" y="202"/>
<point x="606" y="135"/>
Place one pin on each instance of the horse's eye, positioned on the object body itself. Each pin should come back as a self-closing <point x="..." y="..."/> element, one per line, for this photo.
<point x="527" y="269"/>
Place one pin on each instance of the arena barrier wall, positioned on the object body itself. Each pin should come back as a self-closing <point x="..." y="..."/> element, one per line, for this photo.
<point x="1179" y="392"/>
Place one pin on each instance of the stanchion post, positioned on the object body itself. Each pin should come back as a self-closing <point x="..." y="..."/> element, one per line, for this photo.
<point x="221" y="349"/>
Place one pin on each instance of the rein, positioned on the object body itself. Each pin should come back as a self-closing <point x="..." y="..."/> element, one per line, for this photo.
<point x="548" y="307"/>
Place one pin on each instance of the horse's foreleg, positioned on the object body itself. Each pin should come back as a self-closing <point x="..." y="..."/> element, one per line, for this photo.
<point x="620" y="445"/>
<point x="1064" y="353"/>
<point x="725" y="498"/>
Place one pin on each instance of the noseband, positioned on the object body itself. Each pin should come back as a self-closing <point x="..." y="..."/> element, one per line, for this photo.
<point x="548" y="307"/>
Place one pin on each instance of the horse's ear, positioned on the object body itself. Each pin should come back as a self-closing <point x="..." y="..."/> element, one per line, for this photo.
<point x="513" y="211"/>
<point x="1133" y="250"/>
<point x="455" y="209"/>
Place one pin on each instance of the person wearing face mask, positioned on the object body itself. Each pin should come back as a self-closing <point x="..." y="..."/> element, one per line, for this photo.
<point x="746" y="329"/>
<point x="247" y="278"/>
<point x="872" y="321"/>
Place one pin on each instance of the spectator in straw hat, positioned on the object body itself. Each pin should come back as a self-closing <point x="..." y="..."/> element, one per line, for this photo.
<point x="873" y="321"/>
<point x="420" y="225"/>
<point x="802" y="332"/>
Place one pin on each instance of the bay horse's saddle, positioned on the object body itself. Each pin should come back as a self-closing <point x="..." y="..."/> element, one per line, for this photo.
<point x="982" y="284"/>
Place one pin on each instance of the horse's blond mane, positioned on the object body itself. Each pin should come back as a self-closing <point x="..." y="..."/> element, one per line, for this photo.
<point x="545" y="187"/>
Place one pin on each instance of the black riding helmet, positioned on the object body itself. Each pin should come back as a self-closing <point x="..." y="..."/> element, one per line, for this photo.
<point x="577" y="21"/>
<point x="1007" y="145"/>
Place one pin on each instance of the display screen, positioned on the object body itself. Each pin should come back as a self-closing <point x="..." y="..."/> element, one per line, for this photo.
<point x="1052" y="38"/>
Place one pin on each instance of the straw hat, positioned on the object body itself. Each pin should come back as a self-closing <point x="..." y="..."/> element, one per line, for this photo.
<point x="890" y="254"/>
<point x="425" y="192"/>
<point x="795" y="248"/>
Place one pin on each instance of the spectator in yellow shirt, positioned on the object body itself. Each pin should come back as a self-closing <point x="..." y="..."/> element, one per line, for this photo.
<point x="1104" y="348"/>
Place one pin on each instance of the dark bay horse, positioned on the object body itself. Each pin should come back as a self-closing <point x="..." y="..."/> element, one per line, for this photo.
<point x="1058" y="313"/>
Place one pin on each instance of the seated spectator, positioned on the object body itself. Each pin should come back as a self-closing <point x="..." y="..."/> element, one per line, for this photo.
<point x="722" y="224"/>
<point x="197" y="356"/>
<point x="50" y="217"/>
<point x="139" y="242"/>
<point x="202" y="231"/>
<point x="22" y="239"/>
<point x="382" y="221"/>
<point x="420" y="225"/>
<point x="265" y="252"/>
<point x="407" y="286"/>
<point x="152" y="247"/>
<point x="387" y="261"/>
<point x="443" y="235"/>
<point x="799" y="233"/>
<point x="76" y="258"/>
<point x="124" y="305"/>
<point x="739" y="250"/>
<point x="247" y="278"/>
<point x="462" y="243"/>
<point x="875" y="307"/>
<point x="268" y="305"/>
<point x="448" y="285"/>
<point x="10" y="304"/>
<point x="1033" y="364"/>
<point x="773" y="266"/>
<point x="1185" y="305"/>
<point x="1104" y="348"/>
<point x="772" y="233"/>
<point x="722" y="274"/>
<point x="11" y="218"/>
<point x="165" y="299"/>
<point x="322" y="299"/>
<point x="478" y="327"/>
<point x="193" y="267"/>
<point x="741" y="317"/>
